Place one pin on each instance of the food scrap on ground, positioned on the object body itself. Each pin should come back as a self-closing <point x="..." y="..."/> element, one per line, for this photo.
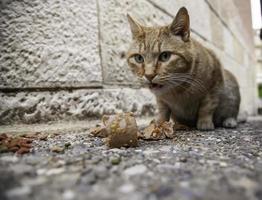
<point x="20" y="144"/>
<point x="120" y="130"/>
<point x="158" y="132"/>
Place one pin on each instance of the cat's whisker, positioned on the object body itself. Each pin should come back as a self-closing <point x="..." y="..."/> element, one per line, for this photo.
<point x="193" y="79"/>
<point x="195" y="83"/>
<point x="177" y="84"/>
<point x="186" y="78"/>
<point x="194" y="86"/>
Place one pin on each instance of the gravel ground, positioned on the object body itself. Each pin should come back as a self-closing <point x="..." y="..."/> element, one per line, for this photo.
<point x="222" y="164"/>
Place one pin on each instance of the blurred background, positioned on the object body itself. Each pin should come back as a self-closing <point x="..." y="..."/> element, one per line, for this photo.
<point x="257" y="26"/>
<point x="66" y="59"/>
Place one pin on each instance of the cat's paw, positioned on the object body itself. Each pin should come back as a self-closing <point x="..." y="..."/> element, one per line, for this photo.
<point x="205" y="125"/>
<point x="230" y="123"/>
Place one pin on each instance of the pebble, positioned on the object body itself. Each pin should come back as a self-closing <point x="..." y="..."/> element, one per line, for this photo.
<point x="68" y="195"/>
<point x="34" y="181"/>
<point x="156" y="160"/>
<point x="149" y="152"/>
<point x="33" y="160"/>
<point x="19" y="191"/>
<point x="57" y="149"/>
<point x="115" y="160"/>
<point x="55" y="171"/>
<point x="126" y="188"/>
<point x="21" y="169"/>
<point x="166" y="148"/>
<point x="135" y="170"/>
<point x="67" y="144"/>
<point x="11" y="159"/>
<point x="223" y="164"/>
<point x="68" y="180"/>
<point x="163" y="191"/>
<point x="88" y="178"/>
<point x="183" y="159"/>
<point x="101" y="172"/>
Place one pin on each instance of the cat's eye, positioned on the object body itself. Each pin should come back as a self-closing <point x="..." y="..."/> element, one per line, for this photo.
<point x="164" y="56"/>
<point x="139" y="58"/>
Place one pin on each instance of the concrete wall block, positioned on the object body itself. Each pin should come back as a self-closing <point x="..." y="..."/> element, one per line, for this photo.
<point x="116" y="35"/>
<point x="217" y="5"/>
<point x="32" y="107"/>
<point x="238" y="52"/>
<point x="49" y="43"/>
<point x="228" y="42"/>
<point x="217" y="31"/>
<point x="236" y="15"/>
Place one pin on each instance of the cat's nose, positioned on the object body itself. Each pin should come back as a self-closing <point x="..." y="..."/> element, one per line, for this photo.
<point x="150" y="77"/>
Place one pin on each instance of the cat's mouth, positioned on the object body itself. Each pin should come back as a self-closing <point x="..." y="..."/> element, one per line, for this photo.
<point x="155" y="86"/>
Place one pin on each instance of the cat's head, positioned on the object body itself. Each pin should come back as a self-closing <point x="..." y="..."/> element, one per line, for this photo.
<point x="158" y="55"/>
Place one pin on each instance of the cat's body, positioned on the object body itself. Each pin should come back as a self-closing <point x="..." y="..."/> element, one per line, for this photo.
<point x="187" y="79"/>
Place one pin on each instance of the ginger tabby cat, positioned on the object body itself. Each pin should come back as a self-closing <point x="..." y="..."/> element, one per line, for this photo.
<point x="187" y="78"/>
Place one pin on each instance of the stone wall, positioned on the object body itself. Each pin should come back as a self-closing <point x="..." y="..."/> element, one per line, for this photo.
<point x="66" y="59"/>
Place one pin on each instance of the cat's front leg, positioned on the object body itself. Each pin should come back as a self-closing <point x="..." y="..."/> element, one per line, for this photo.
<point x="164" y="112"/>
<point x="206" y="111"/>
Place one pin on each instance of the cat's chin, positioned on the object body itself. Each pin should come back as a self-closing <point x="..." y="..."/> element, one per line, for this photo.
<point x="154" y="86"/>
<point x="157" y="88"/>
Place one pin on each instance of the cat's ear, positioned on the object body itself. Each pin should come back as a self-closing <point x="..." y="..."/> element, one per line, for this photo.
<point x="135" y="27"/>
<point x="181" y="24"/>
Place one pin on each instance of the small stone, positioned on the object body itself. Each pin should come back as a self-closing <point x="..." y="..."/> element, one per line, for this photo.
<point x="32" y="160"/>
<point x="41" y="171"/>
<point x="54" y="171"/>
<point x="40" y="180"/>
<point x="135" y="170"/>
<point x="57" y="149"/>
<point x="89" y="178"/>
<point x="11" y="159"/>
<point x="68" y="195"/>
<point x="150" y="152"/>
<point x="43" y="137"/>
<point x="223" y="164"/>
<point x="67" y="145"/>
<point x="163" y="191"/>
<point x="183" y="159"/>
<point x="19" y="192"/>
<point x="115" y="160"/>
<point x="101" y="172"/>
<point x="21" y="169"/>
<point x="96" y="160"/>
<point x="126" y="188"/>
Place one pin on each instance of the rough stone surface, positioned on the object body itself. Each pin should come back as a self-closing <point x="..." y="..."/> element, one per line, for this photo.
<point x="222" y="164"/>
<point x="32" y="107"/>
<point x="49" y="44"/>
